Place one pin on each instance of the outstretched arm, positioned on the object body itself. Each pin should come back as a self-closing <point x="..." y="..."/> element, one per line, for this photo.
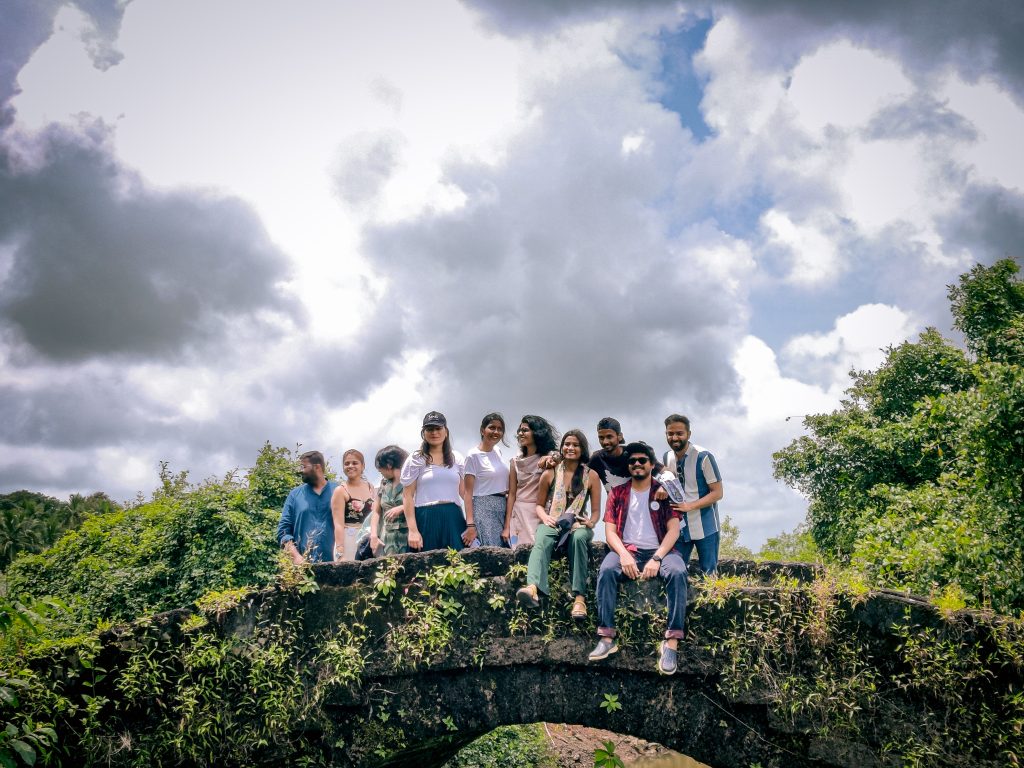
<point x="513" y="486"/>
<point x="594" y="483"/>
<point x="542" y="493"/>
<point x="408" y="502"/>
<point x="468" y="486"/>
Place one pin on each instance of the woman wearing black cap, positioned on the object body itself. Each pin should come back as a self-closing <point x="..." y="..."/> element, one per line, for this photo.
<point x="432" y="486"/>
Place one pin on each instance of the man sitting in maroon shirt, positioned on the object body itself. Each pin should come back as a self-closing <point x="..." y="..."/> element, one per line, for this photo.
<point x="641" y="533"/>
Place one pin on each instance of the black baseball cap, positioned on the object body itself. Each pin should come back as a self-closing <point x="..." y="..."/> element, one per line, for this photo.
<point x="435" y="419"/>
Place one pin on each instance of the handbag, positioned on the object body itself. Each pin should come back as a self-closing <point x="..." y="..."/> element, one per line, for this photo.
<point x="573" y="514"/>
<point x="363" y="549"/>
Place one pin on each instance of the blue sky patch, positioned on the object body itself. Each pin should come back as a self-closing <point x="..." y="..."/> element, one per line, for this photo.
<point x="682" y="88"/>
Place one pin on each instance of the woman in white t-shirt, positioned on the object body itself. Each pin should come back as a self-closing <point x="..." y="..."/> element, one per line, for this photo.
<point x="486" y="484"/>
<point x="432" y="488"/>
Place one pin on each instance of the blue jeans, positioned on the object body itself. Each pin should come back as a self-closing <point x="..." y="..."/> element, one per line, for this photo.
<point x="707" y="552"/>
<point x="672" y="572"/>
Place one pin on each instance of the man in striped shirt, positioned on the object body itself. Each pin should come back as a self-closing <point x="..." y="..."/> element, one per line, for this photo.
<point x="698" y="473"/>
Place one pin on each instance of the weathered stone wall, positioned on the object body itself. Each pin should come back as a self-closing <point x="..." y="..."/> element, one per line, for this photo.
<point x="500" y="666"/>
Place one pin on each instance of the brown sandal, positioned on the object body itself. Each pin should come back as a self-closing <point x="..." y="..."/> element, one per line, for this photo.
<point x="579" y="608"/>
<point x="528" y="597"/>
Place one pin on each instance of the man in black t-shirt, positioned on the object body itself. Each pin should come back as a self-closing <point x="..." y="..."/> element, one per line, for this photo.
<point x="611" y="462"/>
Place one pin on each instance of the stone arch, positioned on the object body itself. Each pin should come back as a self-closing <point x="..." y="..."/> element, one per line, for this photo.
<point x="677" y="712"/>
<point x="416" y="699"/>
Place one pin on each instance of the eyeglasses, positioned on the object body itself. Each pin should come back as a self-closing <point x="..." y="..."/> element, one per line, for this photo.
<point x="638" y="460"/>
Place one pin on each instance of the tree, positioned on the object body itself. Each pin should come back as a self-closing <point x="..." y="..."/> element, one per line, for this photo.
<point x="795" y="547"/>
<point x="19" y="529"/>
<point x="988" y="307"/>
<point x="729" y="542"/>
<point x="868" y="442"/>
<point x="918" y="479"/>
<point x="168" y="551"/>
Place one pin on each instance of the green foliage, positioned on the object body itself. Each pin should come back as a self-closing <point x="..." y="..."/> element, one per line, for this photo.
<point x="23" y="741"/>
<point x="384" y="581"/>
<point x="22" y="623"/>
<point x="729" y="542"/>
<point x="605" y="757"/>
<point x="197" y="698"/>
<point x="988" y="305"/>
<point x="512" y="746"/>
<point x="31" y="522"/>
<point x="431" y="611"/>
<point x="804" y="651"/>
<point x="918" y="479"/>
<point x="219" y="602"/>
<point x="611" y="703"/>
<point x="273" y="476"/>
<point x="166" y="552"/>
<point x="796" y="546"/>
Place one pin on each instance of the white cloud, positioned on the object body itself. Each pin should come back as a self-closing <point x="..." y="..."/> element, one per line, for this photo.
<point x="843" y="86"/>
<point x="996" y="155"/>
<point x="633" y="142"/>
<point x="729" y="260"/>
<point x="815" y="256"/>
<point x="740" y="98"/>
<point x="857" y="341"/>
<point x="263" y="114"/>
<point x="581" y="249"/>
<point x="768" y="397"/>
<point x="884" y="182"/>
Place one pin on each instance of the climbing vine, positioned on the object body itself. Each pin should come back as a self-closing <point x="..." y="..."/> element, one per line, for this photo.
<point x="930" y="693"/>
<point x="240" y="679"/>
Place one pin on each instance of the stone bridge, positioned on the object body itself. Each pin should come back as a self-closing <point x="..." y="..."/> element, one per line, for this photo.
<point x="784" y="665"/>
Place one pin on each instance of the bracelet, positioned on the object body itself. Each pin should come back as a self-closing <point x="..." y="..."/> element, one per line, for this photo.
<point x="471" y="525"/>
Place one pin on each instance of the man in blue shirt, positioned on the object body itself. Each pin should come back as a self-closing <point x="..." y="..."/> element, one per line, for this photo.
<point x="698" y="473"/>
<point x="306" y="529"/>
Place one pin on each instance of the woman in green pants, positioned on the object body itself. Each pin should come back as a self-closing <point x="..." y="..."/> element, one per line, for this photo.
<point x="563" y="491"/>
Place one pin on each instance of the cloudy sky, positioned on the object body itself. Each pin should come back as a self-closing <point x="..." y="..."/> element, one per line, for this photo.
<point x="228" y="222"/>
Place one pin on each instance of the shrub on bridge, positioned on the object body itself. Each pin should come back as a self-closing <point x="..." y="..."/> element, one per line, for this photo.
<point x="920" y="689"/>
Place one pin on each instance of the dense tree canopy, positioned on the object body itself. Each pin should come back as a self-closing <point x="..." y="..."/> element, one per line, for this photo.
<point x="32" y="522"/>
<point x="168" y="551"/>
<point x="919" y="477"/>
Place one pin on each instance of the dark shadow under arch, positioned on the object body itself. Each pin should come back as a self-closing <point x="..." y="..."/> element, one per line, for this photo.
<point x="679" y="712"/>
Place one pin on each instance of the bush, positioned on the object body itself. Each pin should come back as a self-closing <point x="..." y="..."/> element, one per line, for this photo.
<point x="166" y="552"/>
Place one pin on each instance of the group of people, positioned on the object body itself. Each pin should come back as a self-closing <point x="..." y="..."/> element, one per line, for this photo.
<point x="548" y="495"/>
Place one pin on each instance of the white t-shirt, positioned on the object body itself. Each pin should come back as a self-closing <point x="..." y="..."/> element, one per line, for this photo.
<point x="639" y="529"/>
<point x="490" y="469"/>
<point x="434" y="483"/>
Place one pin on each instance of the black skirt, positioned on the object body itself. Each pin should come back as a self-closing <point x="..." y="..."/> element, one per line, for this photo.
<point x="441" y="526"/>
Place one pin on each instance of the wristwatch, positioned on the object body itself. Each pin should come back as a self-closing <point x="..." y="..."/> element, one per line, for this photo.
<point x="656" y="558"/>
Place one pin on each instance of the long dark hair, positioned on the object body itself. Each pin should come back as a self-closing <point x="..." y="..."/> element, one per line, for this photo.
<point x="446" y="449"/>
<point x="498" y="418"/>
<point x="582" y="468"/>
<point x="545" y="436"/>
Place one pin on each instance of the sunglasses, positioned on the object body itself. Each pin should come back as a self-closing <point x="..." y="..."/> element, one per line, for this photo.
<point x="638" y="460"/>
